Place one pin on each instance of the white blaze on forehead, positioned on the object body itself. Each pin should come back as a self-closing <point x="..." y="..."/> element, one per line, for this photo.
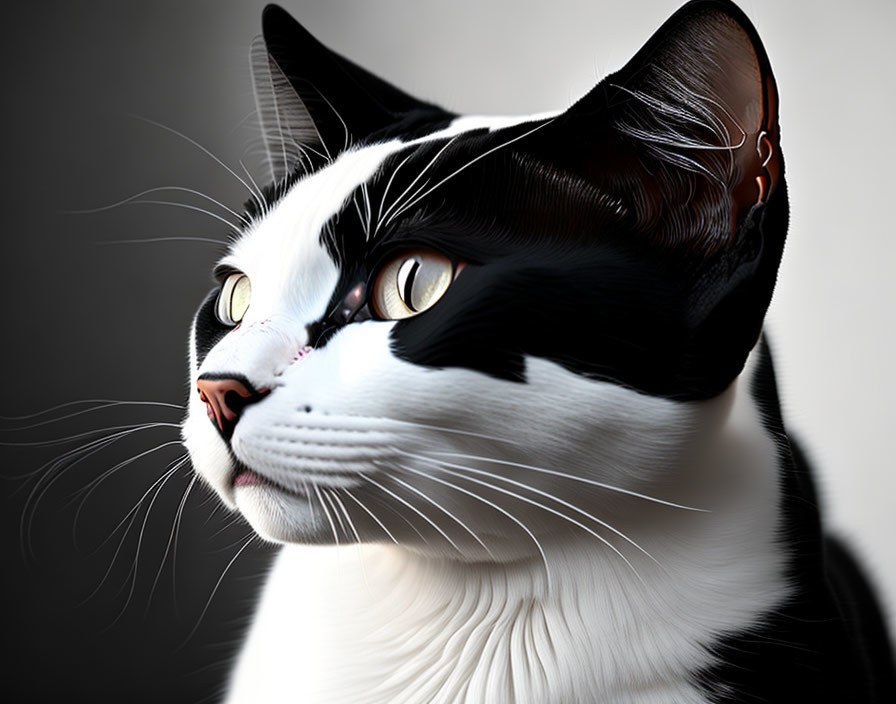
<point x="283" y="255"/>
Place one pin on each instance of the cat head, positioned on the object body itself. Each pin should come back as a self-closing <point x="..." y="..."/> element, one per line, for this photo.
<point x="444" y="331"/>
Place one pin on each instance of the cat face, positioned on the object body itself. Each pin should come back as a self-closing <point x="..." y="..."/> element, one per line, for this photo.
<point x="471" y="336"/>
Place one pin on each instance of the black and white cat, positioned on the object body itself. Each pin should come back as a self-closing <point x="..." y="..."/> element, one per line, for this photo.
<point x="499" y="386"/>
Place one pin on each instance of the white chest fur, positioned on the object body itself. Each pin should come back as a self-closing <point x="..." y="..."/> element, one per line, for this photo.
<point x="378" y="624"/>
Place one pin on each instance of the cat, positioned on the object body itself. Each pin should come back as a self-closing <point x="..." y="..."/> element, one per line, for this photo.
<point x="499" y="386"/>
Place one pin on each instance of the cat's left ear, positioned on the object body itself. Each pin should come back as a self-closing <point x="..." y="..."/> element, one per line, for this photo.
<point x="314" y="103"/>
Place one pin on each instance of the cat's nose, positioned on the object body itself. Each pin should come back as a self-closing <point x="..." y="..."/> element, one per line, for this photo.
<point x="225" y="398"/>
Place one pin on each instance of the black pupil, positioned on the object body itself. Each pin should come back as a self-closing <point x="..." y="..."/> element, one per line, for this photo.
<point x="409" y="284"/>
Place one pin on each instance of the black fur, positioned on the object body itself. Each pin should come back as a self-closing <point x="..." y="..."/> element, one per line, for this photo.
<point x="828" y="643"/>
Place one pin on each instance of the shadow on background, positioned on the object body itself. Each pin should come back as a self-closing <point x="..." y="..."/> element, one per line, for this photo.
<point x="97" y="605"/>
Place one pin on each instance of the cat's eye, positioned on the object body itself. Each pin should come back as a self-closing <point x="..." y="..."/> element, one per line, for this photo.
<point x="410" y="283"/>
<point x="233" y="301"/>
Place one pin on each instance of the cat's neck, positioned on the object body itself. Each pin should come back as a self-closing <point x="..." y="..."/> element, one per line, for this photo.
<point x="384" y="624"/>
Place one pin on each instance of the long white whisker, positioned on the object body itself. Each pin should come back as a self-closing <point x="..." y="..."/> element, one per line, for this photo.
<point x="78" y="436"/>
<point x="132" y="515"/>
<point x="347" y="140"/>
<point x="445" y="511"/>
<point x="256" y="191"/>
<point x="154" y="240"/>
<point x="397" y="202"/>
<point x="157" y="189"/>
<point x="171" y="537"/>
<point x="342" y="526"/>
<point x="85" y="450"/>
<point x="371" y="514"/>
<point x="198" y="146"/>
<point x="540" y="493"/>
<point x="64" y="462"/>
<point x="368" y="209"/>
<point x="102" y="403"/>
<point x="214" y="591"/>
<point x="91" y="486"/>
<point x="413" y="508"/>
<point x="542" y="506"/>
<point x="140" y="537"/>
<point x="323" y="505"/>
<point x="379" y="214"/>
<point x="572" y="477"/>
<point x="495" y="506"/>
<point x="469" y="164"/>
<point x="334" y="496"/>
<point x="187" y="206"/>
<point x="173" y="466"/>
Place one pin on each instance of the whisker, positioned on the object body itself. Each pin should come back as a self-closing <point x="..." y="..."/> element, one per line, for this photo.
<point x="105" y="402"/>
<point x="334" y="496"/>
<point x="257" y="193"/>
<point x="212" y="595"/>
<point x="171" y="540"/>
<point x="157" y="189"/>
<point x="78" y="436"/>
<point x="173" y="466"/>
<point x="371" y="514"/>
<point x="154" y="240"/>
<point x="539" y="492"/>
<point x="413" y="508"/>
<point x="469" y="164"/>
<point x="397" y="201"/>
<point x="132" y="515"/>
<point x="347" y="140"/>
<point x="379" y="214"/>
<point x="140" y="536"/>
<point x="445" y="511"/>
<point x="572" y="477"/>
<point x="329" y="497"/>
<point x="198" y="146"/>
<point x="326" y="514"/>
<point x="187" y="206"/>
<point x="91" y="486"/>
<point x="495" y="506"/>
<point x="65" y="462"/>
<point x="542" y="506"/>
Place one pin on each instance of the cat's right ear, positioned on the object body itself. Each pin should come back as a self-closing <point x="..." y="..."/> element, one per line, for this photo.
<point x="313" y="103"/>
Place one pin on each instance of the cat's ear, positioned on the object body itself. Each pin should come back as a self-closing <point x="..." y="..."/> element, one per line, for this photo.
<point x="312" y="102"/>
<point x="698" y="107"/>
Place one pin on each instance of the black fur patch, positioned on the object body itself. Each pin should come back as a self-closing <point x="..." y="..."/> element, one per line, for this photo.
<point x="828" y="643"/>
<point x="556" y="268"/>
<point x="209" y="330"/>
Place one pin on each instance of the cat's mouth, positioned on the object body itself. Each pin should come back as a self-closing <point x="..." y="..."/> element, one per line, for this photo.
<point x="246" y="477"/>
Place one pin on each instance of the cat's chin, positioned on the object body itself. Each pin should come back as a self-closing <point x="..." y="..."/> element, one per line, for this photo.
<point x="280" y="516"/>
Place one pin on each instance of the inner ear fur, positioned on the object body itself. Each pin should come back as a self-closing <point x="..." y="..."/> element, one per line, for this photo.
<point x="314" y="103"/>
<point x="696" y="114"/>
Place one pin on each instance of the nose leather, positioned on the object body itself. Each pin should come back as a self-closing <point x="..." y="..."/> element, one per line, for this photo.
<point x="225" y="398"/>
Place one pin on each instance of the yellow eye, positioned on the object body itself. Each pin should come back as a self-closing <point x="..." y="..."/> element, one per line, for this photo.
<point x="233" y="301"/>
<point x="411" y="283"/>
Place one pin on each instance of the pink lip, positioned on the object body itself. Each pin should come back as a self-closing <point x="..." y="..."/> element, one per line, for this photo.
<point x="248" y="478"/>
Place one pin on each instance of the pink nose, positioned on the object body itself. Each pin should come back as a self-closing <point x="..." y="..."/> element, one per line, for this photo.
<point x="225" y="399"/>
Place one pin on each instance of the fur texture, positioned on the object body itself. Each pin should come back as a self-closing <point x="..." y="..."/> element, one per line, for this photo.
<point x="564" y="480"/>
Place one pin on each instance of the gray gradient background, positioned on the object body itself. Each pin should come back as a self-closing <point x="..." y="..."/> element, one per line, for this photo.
<point x="85" y="319"/>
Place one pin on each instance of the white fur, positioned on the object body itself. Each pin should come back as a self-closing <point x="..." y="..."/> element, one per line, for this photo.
<point x="385" y="624"/>
<point x="546" y="596"/>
